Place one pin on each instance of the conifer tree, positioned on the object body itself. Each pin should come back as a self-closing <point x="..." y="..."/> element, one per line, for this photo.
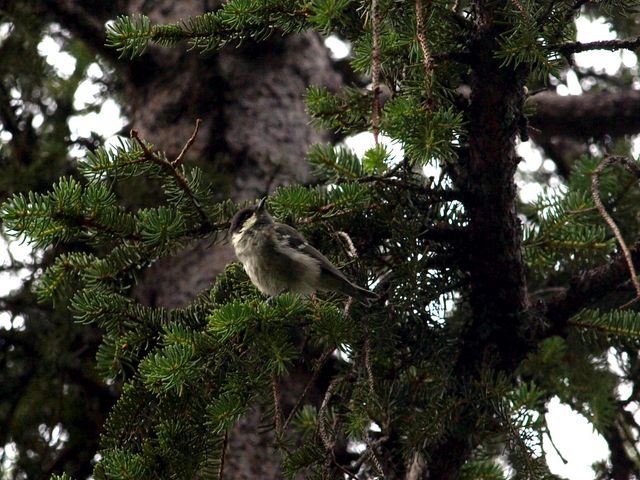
<point x="488" y="308"/>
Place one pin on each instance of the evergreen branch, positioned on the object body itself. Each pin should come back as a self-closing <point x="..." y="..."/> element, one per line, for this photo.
<point x="576" y="47"/>
<point x="170" y="167"/>
<point x="595" y="191"/>
<point x="614" y="322"/>
<point x="375" y="70"/>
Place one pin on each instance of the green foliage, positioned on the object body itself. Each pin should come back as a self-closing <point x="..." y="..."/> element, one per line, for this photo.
<point x="426" y="135"/>
<point x="236" y="20"/>
<point x="335" y="162"/>
<point x="565" y="230"/>
<point x="380" y="376"/>
<point x="615" y="322"/>
<point x="345" y="112"/>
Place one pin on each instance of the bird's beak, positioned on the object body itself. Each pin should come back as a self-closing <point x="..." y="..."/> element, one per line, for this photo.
<point x="262" y="204"/>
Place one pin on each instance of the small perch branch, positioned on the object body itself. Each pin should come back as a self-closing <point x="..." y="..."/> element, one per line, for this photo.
<point x="576" y="47"/>
<point x="595" y="192"/>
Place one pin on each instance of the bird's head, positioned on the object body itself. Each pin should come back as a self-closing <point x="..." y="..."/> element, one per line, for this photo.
<point x="249" y="217"/>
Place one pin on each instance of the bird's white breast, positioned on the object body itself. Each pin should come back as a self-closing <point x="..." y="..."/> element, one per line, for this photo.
<point x="275" y="268"/>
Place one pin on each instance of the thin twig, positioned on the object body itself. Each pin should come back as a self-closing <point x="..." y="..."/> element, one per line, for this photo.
<point x="553" y="444"/>
<point x="187" y="145"/>
<point x="322" y="415"/>
<point x="595" y="192"/>
<point x="374" y="458"/>
<point x="519" y="7"/>
<point x="224" y="451"/>
<point x="311" y="381"/>
<point x="427" y="58"/>
<point x="375" y="70"/>
<point x="351" y="250"/>
<point x="367" y="364"/>
<point x="179" y="178"/>
<point x="276" y="406"/>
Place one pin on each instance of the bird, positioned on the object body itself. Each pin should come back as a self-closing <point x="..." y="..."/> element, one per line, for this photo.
<point x="278" y="259"/>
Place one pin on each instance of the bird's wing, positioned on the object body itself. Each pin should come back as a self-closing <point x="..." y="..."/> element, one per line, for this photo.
<point x="296" y="241"/>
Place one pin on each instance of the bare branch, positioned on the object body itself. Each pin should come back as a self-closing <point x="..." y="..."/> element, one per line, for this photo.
<point x="576" y="47"/>
<point x="587" y="287"/>
<point x="187" y="145"/>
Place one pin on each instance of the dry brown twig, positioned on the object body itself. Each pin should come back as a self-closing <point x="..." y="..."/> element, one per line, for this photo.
<point x="519" y="7"/>
<point x="276" y="405"/>
<point x="427" y="58"/>
<point x="170" y="166"/>
<point x="595" y="193"/>
<point x="327" y="441"/>
<point x="187" y="145"/>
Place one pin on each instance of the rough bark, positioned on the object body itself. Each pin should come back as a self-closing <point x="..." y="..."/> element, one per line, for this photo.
<point x="498" y="297"/>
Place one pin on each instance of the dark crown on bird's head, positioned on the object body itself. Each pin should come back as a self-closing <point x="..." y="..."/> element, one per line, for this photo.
<point x="259" y="210"/>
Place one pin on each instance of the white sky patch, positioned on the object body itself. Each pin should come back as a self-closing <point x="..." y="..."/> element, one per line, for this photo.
<point x="635" y="147"/>
<point x="600" y="60"/>
<point x="5" y="30"/>
<point x="532" y="156"/>
<point x="576" y="440"/>
<point x="338" y="48"/>
<point x="63" y="62"/>
<point x="10" y="453"/>
<point x="617" y="366"/>
<point x="11" y="280"/>
<point x="363" y="141"/>
<point x="107" y="121"/>
<point x="573" y="84"/>
<point x="86" y="94"/>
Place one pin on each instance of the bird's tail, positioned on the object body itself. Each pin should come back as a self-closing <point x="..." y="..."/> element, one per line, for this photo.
<point x="361" y="294"/>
